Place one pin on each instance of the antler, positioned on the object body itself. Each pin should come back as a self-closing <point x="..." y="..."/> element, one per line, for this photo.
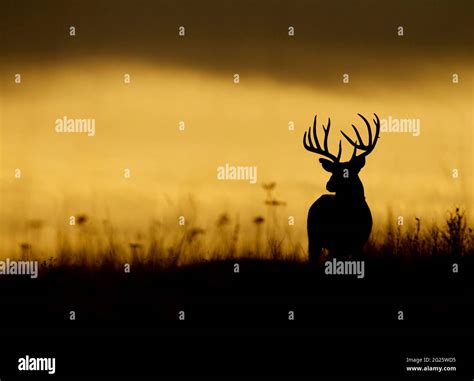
<point x="317" y="149"/>
<point x="369" y="147"/>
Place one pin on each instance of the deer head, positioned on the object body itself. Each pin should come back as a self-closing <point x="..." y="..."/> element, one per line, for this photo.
<point x="345" y="176"/>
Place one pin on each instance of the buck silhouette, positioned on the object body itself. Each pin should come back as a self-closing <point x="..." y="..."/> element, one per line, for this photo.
<point x="340" y="223"/>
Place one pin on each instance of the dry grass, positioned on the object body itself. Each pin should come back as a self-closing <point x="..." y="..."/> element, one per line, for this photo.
<point x="93" y="246"/>
<point x="96" y="243"/>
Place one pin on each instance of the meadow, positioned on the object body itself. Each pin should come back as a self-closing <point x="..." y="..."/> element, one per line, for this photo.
<point x="94" y="243"/>
<point x="142" y="283"/>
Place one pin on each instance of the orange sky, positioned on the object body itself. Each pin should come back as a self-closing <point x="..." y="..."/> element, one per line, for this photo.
<point x="239" y="124"/>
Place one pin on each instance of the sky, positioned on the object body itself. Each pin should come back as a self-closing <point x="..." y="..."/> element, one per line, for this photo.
<point x="282" y="80"/>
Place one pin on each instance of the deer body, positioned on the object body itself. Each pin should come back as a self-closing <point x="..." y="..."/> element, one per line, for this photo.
<point x="341" y="227"/>
<point x="342" y="222"/>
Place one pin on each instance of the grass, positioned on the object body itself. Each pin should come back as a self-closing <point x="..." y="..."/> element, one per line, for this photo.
<point x="94" y="243"/>
<point x="454" y="239"/>
<point x="91" y="246"/>
<point x="174" y="269"/>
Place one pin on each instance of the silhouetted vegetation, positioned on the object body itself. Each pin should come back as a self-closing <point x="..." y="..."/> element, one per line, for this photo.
<point x="96" y="245"/>
<point x="187" y="266"/>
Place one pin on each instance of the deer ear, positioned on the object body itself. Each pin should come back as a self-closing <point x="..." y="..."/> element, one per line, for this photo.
<point x="327" y="165"/>
<point x="358" y="162"/>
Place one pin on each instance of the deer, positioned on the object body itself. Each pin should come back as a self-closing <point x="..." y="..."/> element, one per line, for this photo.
<point x="341" y="222"/>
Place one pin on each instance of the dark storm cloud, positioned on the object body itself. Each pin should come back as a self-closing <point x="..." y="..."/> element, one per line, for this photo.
<point x="242" y="36"/>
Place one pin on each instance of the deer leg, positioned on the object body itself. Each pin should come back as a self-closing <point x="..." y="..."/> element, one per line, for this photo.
<point x="314" y="250"/>
<point x="358" y="253"/>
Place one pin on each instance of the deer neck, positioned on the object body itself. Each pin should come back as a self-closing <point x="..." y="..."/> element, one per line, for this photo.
<point x="352" y="194"/>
